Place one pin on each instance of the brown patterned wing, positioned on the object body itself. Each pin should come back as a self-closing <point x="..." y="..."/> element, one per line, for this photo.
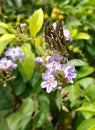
<point x="60" y="34"/>
<point x="51" y="37"/>
<point x="59" y="31"/>
<point x="55" y="37"/>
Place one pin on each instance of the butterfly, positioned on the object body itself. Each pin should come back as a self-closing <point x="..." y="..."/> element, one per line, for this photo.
<point x="54" y="36"/>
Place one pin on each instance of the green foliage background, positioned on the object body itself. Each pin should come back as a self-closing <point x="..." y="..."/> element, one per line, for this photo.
<point x="23" y="104"/>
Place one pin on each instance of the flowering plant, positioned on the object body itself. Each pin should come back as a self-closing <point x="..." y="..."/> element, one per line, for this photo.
<point x="28" y="67"/>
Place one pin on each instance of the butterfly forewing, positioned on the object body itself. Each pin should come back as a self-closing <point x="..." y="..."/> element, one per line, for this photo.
<point x="55" y="37"/>
<point x="59" y="30"/>
<point x="50" y="36"/>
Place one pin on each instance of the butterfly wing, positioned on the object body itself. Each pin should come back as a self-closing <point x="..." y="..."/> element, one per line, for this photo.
<point x="60" y="34"/>
<point x="55" y="37"/>
<point x="50" y="36"/>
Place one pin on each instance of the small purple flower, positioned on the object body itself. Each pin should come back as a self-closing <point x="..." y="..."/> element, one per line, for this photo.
<point x="67" y="34"/>
<point x="46" y="76"/>
<point x="15" y="53"/>
<point x="53" y="67"/>
<point x="49" y="83"/>
<point x="56" y="58"/>
<point x="7" y="65"/>
<point x="69" y="73"/>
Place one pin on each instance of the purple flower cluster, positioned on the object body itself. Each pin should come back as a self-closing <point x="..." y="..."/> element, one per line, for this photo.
<point x="15" y="53"/>
<point x="55" y="64"/>
<point x="6" y="64"/>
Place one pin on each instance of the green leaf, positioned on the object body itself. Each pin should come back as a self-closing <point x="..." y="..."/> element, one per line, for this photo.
<point x="74" y="93"/>
<point x="5" y="40"/>
<point x="38" y="46"/>
<point x="18" y="3"/>
<point x="88" y="110"/>
<point x="76" y="62"/>
<point x="20" y="87"/>
<point x="82" y="35"/>
<point x="74" y="32"/>
<point x="3" y="31"/>
<point x="48" y="125"/>
<point x="86" y="124"/>
<point x="36" y="22"/>
<point x="58" y="101"/>
<point x="11" y="29"/>
<point x="85" y="71"/>
<point x="6" y="99"/>
<point x="40" y="119"/>
<point x="91" y="49"/>
<point x="91" y="2"/>
<point x="3" y="46"/>
<point x="27" y="67"/>
<point x="7" y="37"/>
<point x="44" y="103"/>
<point x="90" y="91"/>
<point x="92" y="128"/>
<point x="3" y="25"/>
<point x="20" y="119"/>
<point x="3" y="125"/>
<point x="74" y="23"/>
<point x="86" y="82"/>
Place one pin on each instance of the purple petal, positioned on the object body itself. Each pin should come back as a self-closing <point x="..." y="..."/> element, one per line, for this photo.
<point x="44" y="84"/>
<point x="48" y="89"/>
<point x="47" y="76"/>
<point x="70" y="69"/>
<point x="54" y="84"/>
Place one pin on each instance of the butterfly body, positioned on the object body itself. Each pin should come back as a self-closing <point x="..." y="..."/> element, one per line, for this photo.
<point x="54" y="36"/>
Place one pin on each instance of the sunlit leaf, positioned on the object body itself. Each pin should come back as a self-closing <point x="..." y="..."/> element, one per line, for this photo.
<point x="88" y="110"/>
<point x="86" y="124"/>
<point x="74" y="32"/>
<point x="92" y="128"/>
<point x="36" y="22"/>
<point x="7" y="37"/>
<point x="38" y="41"/>
<point x="5" y="40"/>
<point x="3" y="46"/>
<point x="3" y="31"/>
<point x="3" y="25"/>
<point x="82" y="35"/>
